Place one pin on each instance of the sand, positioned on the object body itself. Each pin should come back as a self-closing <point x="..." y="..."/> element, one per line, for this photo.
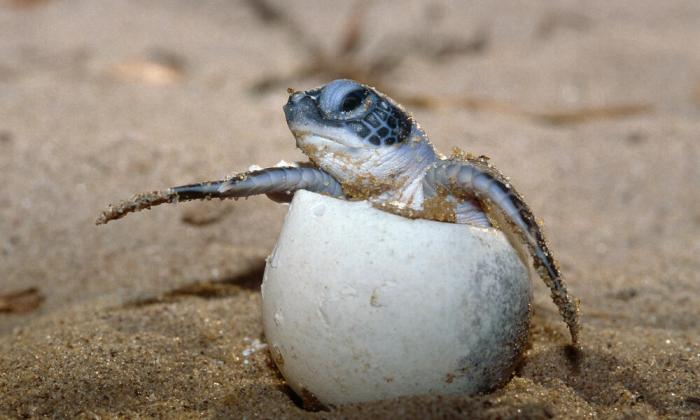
<point x="593" y="110"/>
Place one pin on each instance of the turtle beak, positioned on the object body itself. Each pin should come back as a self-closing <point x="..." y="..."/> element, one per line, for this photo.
<point x="292" y="107"/>
<point x="301" y="112"/>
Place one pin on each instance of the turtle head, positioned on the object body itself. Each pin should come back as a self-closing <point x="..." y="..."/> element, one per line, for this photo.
<point x="354" y="132"/>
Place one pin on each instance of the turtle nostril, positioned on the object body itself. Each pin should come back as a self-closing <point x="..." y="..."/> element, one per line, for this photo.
<point x="300" y="106"/>
<point x="296" y="97"/>
<point x="293" y="105"/>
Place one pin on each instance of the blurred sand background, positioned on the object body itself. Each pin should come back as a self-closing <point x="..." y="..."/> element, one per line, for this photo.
<point x="592" y="108"/>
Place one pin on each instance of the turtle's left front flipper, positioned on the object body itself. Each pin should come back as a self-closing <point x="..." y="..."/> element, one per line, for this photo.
<point x="279" y="183"/>
<point x="475" y="178"/>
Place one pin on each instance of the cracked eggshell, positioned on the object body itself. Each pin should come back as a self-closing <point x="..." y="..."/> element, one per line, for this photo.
<point x="361" y="305"/>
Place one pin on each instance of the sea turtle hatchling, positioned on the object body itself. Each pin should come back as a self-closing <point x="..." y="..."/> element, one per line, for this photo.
<point x="364" y="146"/>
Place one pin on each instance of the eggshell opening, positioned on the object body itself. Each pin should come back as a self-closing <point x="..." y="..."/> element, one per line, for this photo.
<point x="361" y="305"/>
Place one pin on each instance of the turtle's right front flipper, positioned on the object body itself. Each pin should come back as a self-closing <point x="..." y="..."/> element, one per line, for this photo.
<point x="279" y="183"/>
<point x="475" y="178"/>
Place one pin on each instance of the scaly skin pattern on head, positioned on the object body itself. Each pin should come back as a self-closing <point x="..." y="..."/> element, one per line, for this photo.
<point x="364" y="146"/>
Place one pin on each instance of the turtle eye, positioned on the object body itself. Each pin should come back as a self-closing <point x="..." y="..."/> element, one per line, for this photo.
<point x="353" y="100"/>
<point x="343" y="100"/>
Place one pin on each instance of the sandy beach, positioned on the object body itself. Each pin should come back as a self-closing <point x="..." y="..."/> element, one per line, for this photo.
<point x="593" y="110"/>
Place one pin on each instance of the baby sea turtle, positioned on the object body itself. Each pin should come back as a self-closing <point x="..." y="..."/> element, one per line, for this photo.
<point x="364" y="146"/>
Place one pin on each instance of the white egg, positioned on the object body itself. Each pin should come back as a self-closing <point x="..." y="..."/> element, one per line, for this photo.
<point x="361" y="305"/>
